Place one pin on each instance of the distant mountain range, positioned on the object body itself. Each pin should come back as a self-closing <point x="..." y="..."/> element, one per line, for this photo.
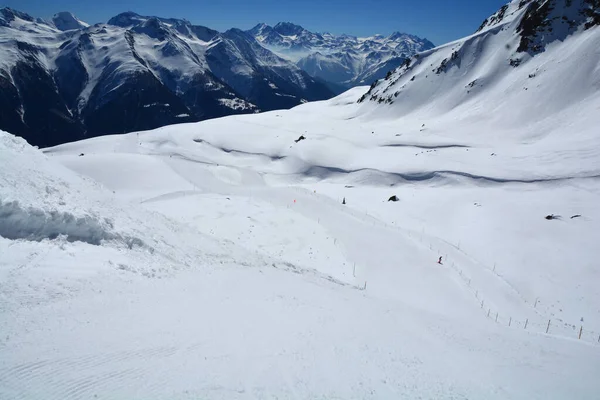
<point x="63" y="80"/>
<point x="343" y="60"/>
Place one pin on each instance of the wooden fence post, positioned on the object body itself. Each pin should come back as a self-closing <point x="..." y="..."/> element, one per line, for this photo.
<point x="482" y="303"/>
<point x="526" y="322"/>
<point x="496" y="317"/>
<point x="510" y="321"/>
<point x="580" y="332"/>
<point x="489" y="310"/>
<point x="548" y="328"/>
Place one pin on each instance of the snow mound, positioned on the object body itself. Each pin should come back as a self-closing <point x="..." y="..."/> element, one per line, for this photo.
<point x="34" y="224"/>
<point x="44" y="202"/>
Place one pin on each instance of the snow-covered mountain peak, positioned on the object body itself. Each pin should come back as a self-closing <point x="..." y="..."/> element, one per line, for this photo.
<point x="288" y="29"/>
<point x="160" y="25"/>
<point x="127" y="19"/>
<point x="505" y="14"/>
<point x="152" y="27"/>
<point x="65" y="21"/>
<point x="7" y="15"/>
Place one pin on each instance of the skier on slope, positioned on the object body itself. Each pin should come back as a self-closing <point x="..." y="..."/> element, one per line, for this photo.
<point x="440" y="260"/>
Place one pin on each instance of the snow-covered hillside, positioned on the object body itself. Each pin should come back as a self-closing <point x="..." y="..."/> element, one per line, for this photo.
<point x="134" y="73"/>
<point x="343" y="60"/>
<point x="264" y="256"/>
<point x="213" y="247"/>
<point x="531" y="60"/>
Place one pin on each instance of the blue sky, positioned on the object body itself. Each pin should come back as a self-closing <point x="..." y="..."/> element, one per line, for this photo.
<point x="438" y="20"/>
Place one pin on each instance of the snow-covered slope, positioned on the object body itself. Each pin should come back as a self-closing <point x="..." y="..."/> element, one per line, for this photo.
<point x="134" y="73"/>
<point x="332" y="297"/>
<point x="529" y="50"/>
<point x="217" y="259"/>
<point x="344" y="60"/>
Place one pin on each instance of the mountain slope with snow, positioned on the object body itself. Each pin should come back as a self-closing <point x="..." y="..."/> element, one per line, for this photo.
<point x="134" y="73"/>
<point x="499" y="71"/>
<point x="344" y="60"/>
<point x="432" y="246"/>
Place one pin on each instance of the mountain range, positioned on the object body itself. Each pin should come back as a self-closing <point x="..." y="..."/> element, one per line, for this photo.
<point x="63" y="80"/>
<point x="344" y="60"/>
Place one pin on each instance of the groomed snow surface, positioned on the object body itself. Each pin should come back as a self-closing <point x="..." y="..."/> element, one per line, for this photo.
<point x="216" y="260"/>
